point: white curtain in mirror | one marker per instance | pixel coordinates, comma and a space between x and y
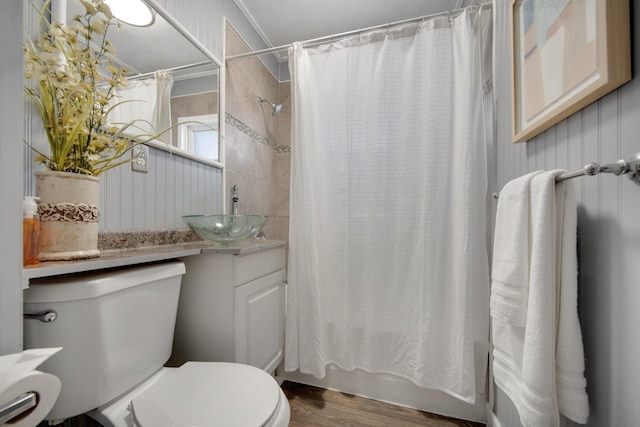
388, 224
147, 103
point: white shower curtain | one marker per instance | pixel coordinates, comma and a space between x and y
148, 103
387, 221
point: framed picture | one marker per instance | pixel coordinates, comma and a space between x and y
566, 55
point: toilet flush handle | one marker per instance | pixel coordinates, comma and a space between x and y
45, 316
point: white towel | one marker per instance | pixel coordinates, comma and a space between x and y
510, 274
539, 364
570, 381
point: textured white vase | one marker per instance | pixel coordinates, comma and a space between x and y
69, 213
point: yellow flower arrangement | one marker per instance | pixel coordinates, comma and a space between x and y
75, 80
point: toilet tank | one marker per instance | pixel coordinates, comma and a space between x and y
115, 328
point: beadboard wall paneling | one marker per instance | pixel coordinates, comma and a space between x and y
608, 230
174, 186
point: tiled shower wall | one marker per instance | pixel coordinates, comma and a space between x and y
257, 143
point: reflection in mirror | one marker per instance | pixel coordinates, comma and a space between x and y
172, 85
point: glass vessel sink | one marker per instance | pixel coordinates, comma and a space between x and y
225, 228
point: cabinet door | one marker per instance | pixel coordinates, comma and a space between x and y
259, 321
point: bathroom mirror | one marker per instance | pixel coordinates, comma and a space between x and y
165, 59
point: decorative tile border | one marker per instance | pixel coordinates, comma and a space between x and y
255, 135
283, 149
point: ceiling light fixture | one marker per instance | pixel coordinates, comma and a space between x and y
132, 12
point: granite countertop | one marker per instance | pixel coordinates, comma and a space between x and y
111, 257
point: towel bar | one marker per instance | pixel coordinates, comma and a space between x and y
621, 167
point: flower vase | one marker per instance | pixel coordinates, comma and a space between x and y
69, 215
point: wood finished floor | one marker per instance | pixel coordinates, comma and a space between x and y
317, 407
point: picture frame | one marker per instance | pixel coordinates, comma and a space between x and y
566, 54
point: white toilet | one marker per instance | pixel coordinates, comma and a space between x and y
116, 329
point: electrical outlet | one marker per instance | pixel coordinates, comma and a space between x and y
141, 155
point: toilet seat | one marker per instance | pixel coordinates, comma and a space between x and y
203, 394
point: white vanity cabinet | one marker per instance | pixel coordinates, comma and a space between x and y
232, 308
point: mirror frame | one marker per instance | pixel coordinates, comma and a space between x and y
205, 51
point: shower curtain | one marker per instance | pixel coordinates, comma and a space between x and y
148, 103
388, 189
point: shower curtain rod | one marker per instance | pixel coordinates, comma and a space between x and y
320, 40
621, 167
178, 68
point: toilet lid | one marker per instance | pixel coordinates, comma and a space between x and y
208, 394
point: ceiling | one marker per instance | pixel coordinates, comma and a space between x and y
280, 22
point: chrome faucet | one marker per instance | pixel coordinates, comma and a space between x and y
234, 200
